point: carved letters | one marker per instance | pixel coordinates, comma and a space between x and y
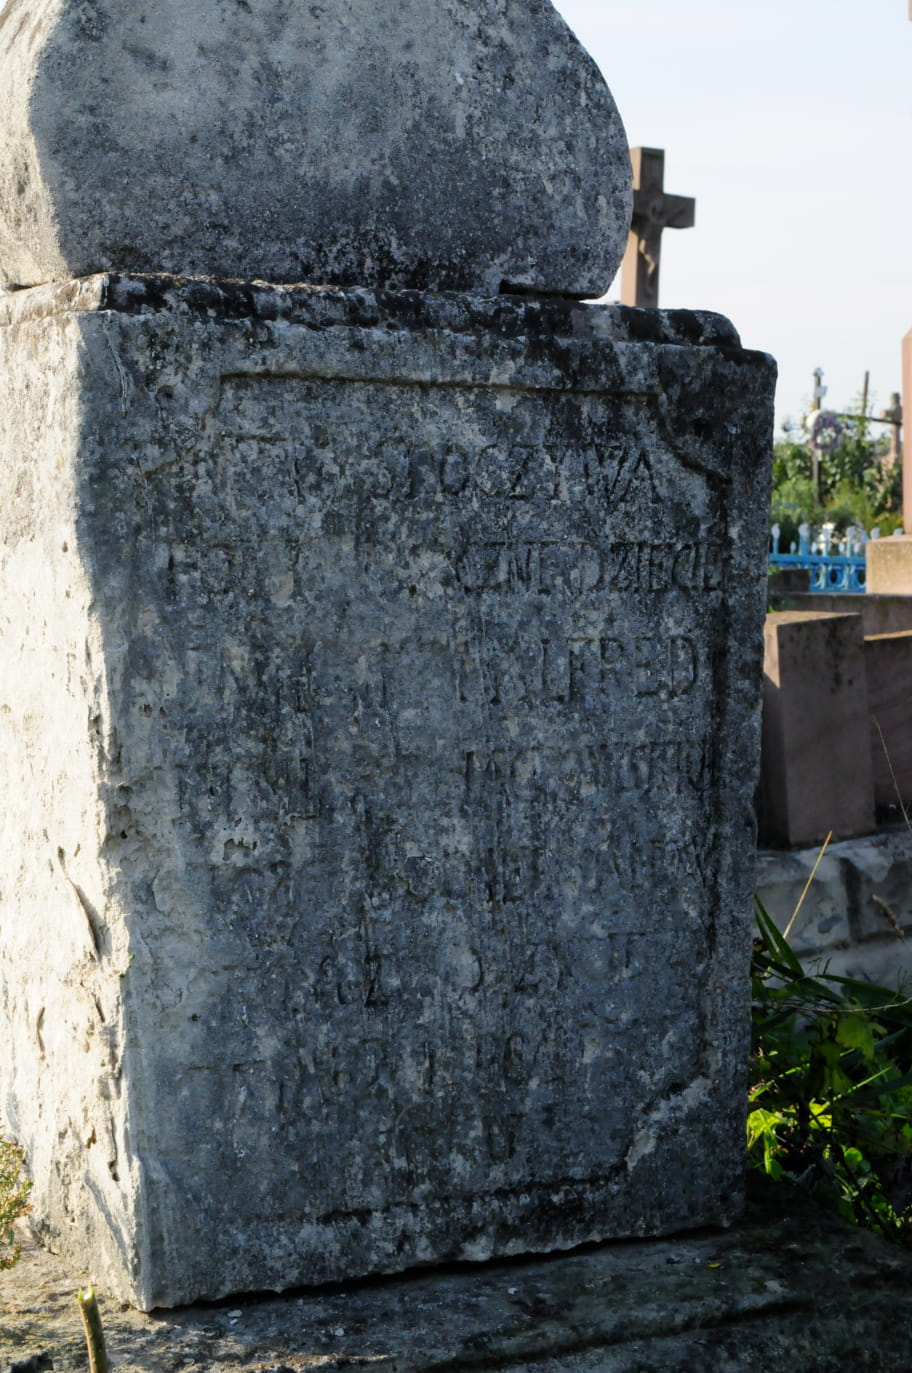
531, 586
572, 568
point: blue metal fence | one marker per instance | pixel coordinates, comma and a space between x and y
833, 567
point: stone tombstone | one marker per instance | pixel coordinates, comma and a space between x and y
379, 688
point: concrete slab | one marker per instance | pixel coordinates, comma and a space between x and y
880, 614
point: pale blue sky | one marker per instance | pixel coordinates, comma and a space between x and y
791, 123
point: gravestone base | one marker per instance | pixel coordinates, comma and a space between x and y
789, 1288
379, 687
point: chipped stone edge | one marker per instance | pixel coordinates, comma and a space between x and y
325, 306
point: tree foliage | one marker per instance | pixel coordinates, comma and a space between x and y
854, 484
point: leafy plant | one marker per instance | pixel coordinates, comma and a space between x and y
791, 463
830, 1106
14, 1194
855, 486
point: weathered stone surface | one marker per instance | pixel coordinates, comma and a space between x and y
439, 144
823, 921
378, 720
816, 773
788, 1289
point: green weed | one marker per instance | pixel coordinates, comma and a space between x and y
830, 1105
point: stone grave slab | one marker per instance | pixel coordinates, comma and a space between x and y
823, 920
379, 686
816, 769
439, 144
789, 582
856, 916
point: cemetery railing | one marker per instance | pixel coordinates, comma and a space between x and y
832, 568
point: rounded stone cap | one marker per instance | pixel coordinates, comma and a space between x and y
439, 144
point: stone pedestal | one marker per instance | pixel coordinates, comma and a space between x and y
816, 733
379, 685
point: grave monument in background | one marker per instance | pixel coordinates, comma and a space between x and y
379, 668
654, 211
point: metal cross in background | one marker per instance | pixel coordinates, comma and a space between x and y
653, 211
819, 389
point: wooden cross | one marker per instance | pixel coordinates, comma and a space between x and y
653, 211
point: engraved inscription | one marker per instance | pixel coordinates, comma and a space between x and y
599, 464
573, 568
470, 643
583, 669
